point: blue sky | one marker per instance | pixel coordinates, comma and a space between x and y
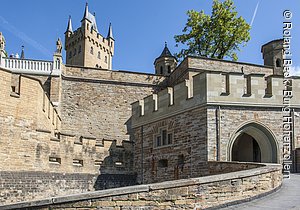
140, 27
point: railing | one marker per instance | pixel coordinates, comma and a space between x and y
26, 66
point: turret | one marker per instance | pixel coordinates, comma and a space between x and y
69, 30
273, 55
2, 46
86, 46
165, 63
111, 44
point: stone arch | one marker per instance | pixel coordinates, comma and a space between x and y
260, 135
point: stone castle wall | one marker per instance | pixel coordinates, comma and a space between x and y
187, 149
193, 65
189, 112
34, 148
97, 103
203, 192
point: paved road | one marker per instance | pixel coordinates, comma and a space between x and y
288, 197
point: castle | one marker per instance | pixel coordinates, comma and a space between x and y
81, 126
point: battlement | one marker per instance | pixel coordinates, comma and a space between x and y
28, 66
215, 88
192, 65
86, 46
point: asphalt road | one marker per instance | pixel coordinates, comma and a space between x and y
286, 198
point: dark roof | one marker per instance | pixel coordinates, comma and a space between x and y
273, 41
166, 52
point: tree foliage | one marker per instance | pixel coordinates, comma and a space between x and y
217, 35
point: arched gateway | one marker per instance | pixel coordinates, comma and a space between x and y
253, 142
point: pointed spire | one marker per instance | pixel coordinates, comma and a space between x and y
69, 28
86, 12
22, 53
110, 33
166, 51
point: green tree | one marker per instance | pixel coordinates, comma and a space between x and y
217, 35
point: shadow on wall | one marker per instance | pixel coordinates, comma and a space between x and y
117, 168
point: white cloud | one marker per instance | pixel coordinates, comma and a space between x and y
295, 71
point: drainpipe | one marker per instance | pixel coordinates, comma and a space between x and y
294, 159
218, 125
142, 153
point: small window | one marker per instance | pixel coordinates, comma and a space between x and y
98, 162
161, 70
180, 160
13, 89
79, 49
55, 160
158, 141
99, 55
105, 60
74, 52
163, 163
92, 50
278, 62
118, 163
169, 69
77, 162
70, 54
170, 138
164, 137
97, 66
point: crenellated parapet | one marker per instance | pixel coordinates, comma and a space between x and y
215, 88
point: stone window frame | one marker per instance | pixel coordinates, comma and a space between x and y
159, 137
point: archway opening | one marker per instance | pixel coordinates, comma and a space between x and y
253, 142
246, 149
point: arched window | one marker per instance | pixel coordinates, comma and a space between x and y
99, 54
97, 66
57, 63
92, 51
169, 69
70, 54
161, 70
278, 62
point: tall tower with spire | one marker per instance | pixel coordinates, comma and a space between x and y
86, 46
165, 63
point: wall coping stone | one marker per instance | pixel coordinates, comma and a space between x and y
265, 168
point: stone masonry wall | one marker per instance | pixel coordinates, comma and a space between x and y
195, 193
187, 149
28, 120
233, 118
32, 185
96, 103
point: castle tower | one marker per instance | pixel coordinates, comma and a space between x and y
86, 46
165, 63
273, 55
